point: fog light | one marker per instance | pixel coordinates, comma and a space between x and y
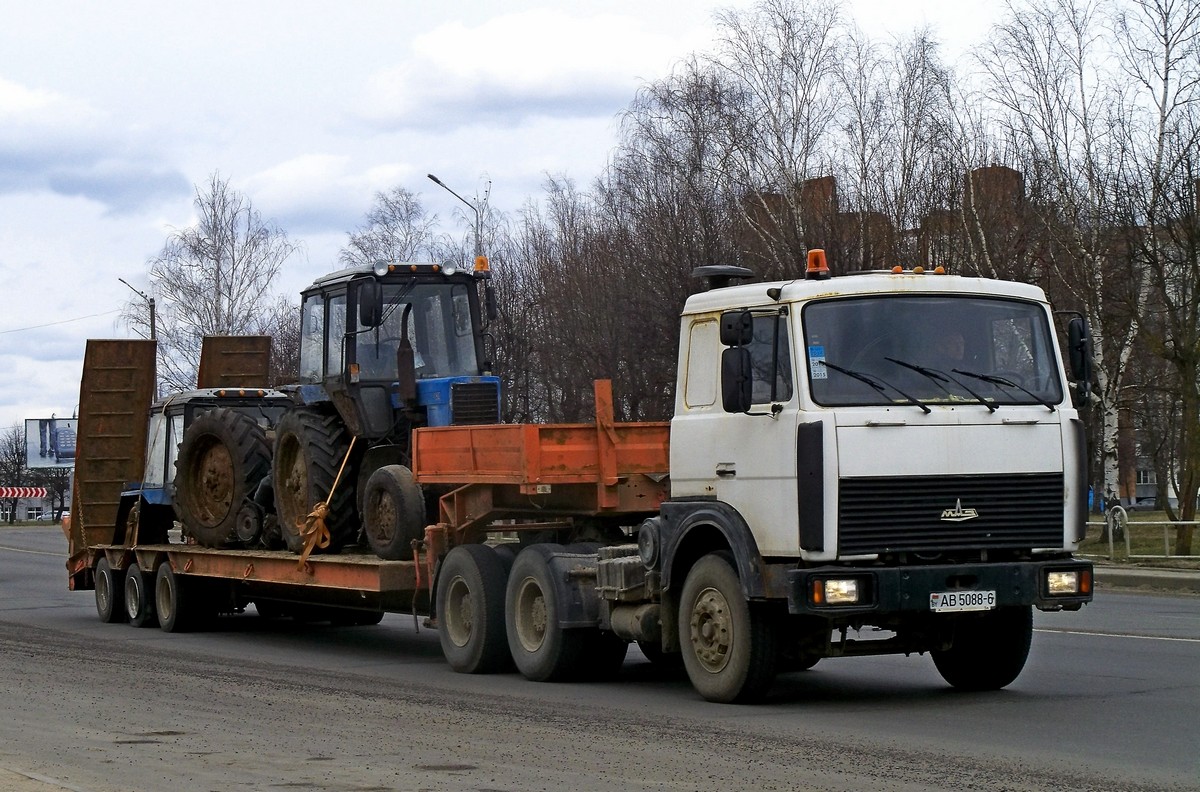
1062, 583
840, 592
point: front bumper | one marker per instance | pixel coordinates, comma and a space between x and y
886, 590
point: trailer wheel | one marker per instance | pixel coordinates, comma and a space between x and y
728, 645
309, 449
109, 593
171, 600
393, 512
223, 456
542, 650
139, 604
989, 649
470, 610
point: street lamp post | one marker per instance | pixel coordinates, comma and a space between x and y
149, 302
473, 207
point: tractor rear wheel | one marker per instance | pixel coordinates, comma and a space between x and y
223, 457
309, 449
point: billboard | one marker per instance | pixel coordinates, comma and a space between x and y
50, 442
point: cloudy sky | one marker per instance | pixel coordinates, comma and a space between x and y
111, 112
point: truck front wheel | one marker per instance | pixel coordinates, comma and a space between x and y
470, 610
988, 650
728, 645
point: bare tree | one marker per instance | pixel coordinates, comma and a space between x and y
12, 463
397, 228
1159, 41
1058, 100
281, 321
212, 278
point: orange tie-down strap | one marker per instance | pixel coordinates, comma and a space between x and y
314, 531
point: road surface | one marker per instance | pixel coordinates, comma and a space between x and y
1108, 701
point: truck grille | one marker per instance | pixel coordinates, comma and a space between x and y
474, 403
890, 515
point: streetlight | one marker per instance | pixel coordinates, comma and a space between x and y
473, 207
149, 301
481, 265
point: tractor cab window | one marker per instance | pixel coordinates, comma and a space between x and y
439, 324
312, 339
770, 360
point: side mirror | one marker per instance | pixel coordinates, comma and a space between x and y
1079, 355
489, 302
735, 378
370, 303
737, 328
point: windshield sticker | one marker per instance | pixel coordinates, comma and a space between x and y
816, 363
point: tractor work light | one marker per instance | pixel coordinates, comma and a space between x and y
1068, 582
835, 591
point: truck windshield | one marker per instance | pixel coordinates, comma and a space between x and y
934, 349
440, 329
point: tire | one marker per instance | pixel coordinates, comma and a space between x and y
393, 512
989, 649
171, 602
222, 458
542, 651
470, 610
728, 645
139, 604
110, 593
309, 449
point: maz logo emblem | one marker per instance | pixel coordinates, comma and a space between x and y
958, 513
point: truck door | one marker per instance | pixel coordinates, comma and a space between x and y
746, 459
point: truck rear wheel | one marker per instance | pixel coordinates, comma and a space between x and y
309, 449
470, 610
139, 604
728, 645
110, 592
393, 512
542, 650
989, 649
222, 458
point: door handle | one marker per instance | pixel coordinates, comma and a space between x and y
726, 469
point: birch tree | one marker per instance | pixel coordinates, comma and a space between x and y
211, 278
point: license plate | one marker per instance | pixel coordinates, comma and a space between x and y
958, 601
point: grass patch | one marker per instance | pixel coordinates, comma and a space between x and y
1146, 538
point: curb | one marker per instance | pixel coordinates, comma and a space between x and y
1180, 581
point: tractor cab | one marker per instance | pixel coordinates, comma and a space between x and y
395, 346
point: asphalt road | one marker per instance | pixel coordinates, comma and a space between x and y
1108, 701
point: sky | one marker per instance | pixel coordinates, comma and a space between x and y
111, 113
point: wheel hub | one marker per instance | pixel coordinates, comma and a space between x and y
531, 615
460, 616
711, 630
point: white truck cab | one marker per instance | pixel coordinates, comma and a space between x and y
899, 449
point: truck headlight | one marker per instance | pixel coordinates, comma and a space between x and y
835, 591
1068, 582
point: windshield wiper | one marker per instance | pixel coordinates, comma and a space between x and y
1005, 383
878, 385
938, 376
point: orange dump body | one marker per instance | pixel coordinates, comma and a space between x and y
499, 471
